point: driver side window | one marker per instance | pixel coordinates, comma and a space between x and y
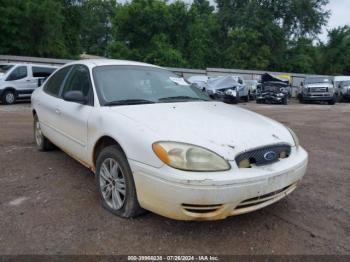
18, 73
79, 80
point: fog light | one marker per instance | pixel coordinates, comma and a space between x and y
245, 163
283, 155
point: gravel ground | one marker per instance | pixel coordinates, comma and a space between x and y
49, 204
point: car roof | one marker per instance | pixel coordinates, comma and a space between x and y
102, 62
25, 64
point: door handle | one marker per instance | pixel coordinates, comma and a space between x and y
58, 111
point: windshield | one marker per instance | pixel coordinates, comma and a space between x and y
345, 83
118, 85
317, 80
5, 68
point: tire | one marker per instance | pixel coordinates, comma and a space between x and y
246, 98
333, 101
9, 97
115, 183
340, 98
236, 99
301, 100
285, 101
251, 97
41, 141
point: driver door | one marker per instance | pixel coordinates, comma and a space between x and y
74, 116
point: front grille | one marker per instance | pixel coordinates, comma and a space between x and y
318, 89
263, 155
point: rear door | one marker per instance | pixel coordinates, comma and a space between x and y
49, 110
74, 116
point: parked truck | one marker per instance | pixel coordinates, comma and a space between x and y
317, 88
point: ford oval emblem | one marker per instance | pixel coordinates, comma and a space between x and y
270, 156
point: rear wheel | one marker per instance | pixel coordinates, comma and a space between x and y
115, 183
41, 141
9, 97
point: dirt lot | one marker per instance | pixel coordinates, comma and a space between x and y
49, 205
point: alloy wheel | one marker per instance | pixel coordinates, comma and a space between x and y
112, 184
10, 98
38, 134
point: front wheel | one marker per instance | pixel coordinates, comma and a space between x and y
332, 102
246, 98
285, 101
9, 97
115, 183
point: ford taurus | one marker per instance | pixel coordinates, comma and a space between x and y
157, 143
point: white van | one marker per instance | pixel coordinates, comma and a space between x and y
20, 80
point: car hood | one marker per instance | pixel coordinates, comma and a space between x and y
220, 127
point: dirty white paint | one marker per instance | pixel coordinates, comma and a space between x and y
18, 201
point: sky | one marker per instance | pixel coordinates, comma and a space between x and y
340, 16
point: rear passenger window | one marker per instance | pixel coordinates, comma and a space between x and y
54, 84
42, 71
18, 73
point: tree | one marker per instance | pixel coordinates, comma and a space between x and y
301, 57
96, 26
32, 28
336, 52
144, 30
240, 53
276, 22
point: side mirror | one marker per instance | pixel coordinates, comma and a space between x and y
41, 81
75, 96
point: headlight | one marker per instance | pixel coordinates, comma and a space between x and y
189, 157
295, 138
231, 92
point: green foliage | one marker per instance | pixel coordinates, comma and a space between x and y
32, 28
276, 35
335, 57
241, 54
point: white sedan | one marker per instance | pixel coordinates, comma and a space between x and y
157, 143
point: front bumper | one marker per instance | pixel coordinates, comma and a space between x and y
271, 99
346, 96
216, 195
318, 97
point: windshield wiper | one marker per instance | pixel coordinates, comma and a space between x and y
180, 98
129, 102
